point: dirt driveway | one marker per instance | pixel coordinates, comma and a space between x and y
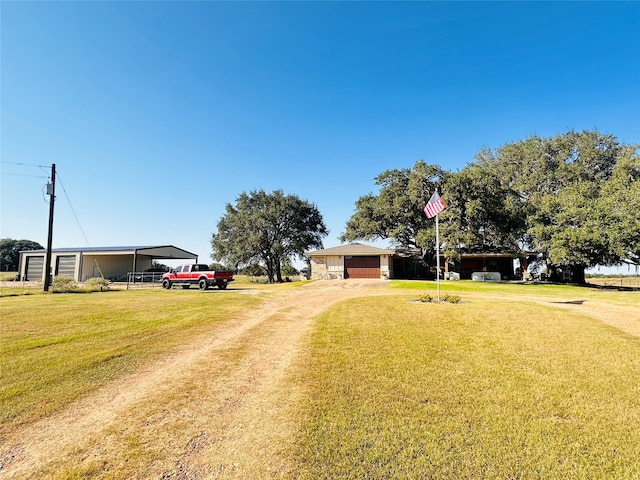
215, 409
212, 410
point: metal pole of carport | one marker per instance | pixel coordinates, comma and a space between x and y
135, 265
135, 260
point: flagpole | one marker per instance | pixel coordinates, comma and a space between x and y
438, 256
434, 206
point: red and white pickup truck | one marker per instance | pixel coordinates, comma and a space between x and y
196, 274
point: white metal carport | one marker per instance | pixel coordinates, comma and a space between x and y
84, 263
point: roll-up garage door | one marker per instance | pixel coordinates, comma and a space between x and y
66, 266
362, 267
34, 268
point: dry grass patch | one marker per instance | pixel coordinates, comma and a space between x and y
56, 348
628, 281
169, 414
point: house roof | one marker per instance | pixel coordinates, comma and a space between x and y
353, 249
159, 251
489, 255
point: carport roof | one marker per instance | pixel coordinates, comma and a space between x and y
353, 249
158, 251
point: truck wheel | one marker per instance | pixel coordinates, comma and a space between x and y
166, 284
203, 285
222, 285
186, 286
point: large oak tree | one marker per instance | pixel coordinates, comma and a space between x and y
269, 229
482, 214
579, 190
396, 211
620, 201
574, 198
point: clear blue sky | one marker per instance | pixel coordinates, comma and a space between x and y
157, 114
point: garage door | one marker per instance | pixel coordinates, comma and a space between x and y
362, 267
34, 268
66, 266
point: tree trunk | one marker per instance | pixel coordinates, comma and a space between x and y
577, 274
269, 265
552, 272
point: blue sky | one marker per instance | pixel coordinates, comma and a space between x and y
158, 114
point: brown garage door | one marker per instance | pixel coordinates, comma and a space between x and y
362, 267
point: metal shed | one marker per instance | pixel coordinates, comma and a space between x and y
82, 264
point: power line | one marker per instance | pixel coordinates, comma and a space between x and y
57, 174
72, 209
22, 164
24, 175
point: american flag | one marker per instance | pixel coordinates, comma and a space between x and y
435, 206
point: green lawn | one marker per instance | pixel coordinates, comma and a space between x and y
484, 389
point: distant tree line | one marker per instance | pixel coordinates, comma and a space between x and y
574, 198
10, 252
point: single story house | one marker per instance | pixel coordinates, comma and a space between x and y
82, 264
354, 260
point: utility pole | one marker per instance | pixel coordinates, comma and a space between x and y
51, 191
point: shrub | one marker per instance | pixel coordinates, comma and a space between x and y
98, 284
63, 284
426, 298
451, 299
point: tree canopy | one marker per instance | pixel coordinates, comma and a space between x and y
396, 212
268, 229
577, 189
10, 252
573, 197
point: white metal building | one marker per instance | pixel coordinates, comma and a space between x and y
82, 264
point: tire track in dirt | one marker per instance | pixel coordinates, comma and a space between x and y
247, 398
